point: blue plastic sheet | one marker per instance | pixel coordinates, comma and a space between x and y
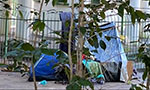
43, 67
114, 51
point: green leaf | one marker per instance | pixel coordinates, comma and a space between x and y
83, 30
133, 86
7, 6
121, 10
108, 38
103, 1
96, 19
139, 88
67, 23
48, 51
41, 26
86, 51
102, 14
84, 82
62, 56
3, 65
127, 2
100, 34
73, 86
67, 71
12, 53
20, 13
141, 49
36, 25
57, 33
47, 1
142, 85
81, 12
35, 13
133, 17
54, 2
102, 44
95, 40
75, 78
76, 5
94, 51
140, 14
65, 1
27, 47
75, 20
144, 75
55, 65
7, 13
91, 42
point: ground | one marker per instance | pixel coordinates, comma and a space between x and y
14, 81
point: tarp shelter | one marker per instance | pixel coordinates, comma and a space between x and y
114, 51
43, 68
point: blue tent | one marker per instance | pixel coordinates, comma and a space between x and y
43, 68
114, 51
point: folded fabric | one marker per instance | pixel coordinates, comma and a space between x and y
93, 67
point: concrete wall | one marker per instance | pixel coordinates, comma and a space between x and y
141, 5
36, 5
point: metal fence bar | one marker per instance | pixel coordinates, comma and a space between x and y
6, 39
52, 21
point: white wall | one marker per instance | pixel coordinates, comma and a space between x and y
135, 3
140, 5
145, 6
49, 6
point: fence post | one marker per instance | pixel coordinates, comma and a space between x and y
43, 30
6, 39
122, 19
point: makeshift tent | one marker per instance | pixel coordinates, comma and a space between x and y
113, 53
64, 17
43, 69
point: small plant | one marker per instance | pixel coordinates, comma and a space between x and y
17, 55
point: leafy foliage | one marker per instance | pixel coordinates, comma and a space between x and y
92, 17
27, 47
20, 50
135, 87
102, 44
47, 1
38, 25
7, 13
78, 83
144, 56
21, 15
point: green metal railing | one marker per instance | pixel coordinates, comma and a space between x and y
20, 30
17, 28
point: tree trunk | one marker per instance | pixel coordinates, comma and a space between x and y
80, 41
33, 71
148, 80
69, 42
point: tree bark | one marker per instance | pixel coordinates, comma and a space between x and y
148, 80
33, 71
69, 42
80, 41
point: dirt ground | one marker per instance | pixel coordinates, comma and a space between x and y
14, 81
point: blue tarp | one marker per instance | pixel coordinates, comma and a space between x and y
43, 67
114, 51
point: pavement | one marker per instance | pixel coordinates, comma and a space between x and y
14, 81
